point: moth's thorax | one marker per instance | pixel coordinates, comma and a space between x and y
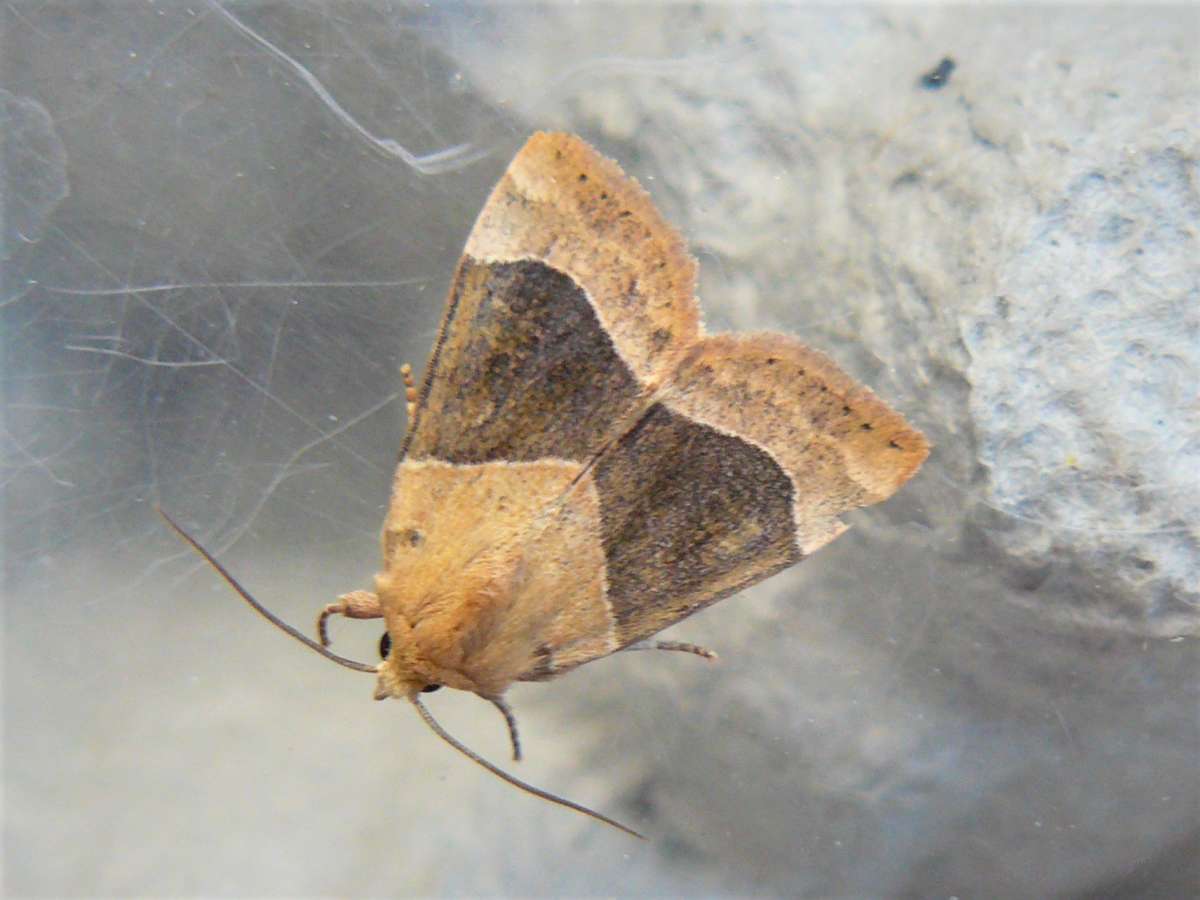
487, 567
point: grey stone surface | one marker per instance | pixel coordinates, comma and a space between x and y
226, 226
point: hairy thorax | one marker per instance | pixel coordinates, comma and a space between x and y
489, 571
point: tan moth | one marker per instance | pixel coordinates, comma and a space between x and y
584, 466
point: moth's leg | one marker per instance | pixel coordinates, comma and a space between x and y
511, 721
410, 391
682, 646
355, 605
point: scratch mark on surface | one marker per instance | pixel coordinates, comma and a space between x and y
285, 471
450, 159
42, 462
166, 363
133, 290
1062, 720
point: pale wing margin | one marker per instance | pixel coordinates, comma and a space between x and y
564, 204
840, 445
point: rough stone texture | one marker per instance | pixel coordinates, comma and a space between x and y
988, 687
1084, 390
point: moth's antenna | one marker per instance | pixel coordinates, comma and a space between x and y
258, 607
515, 782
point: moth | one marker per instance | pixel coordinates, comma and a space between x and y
584, 466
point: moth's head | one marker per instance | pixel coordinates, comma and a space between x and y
395, 682
402, 673
434, 630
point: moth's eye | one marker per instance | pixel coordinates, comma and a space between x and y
411, 538
385, 645
400, 538
430, 688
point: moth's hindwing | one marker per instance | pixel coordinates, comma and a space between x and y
689, 515
742, 469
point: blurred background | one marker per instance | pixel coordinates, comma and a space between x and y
226, 225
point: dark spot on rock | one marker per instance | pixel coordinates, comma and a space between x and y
937, 77
1116, 229
582, 177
